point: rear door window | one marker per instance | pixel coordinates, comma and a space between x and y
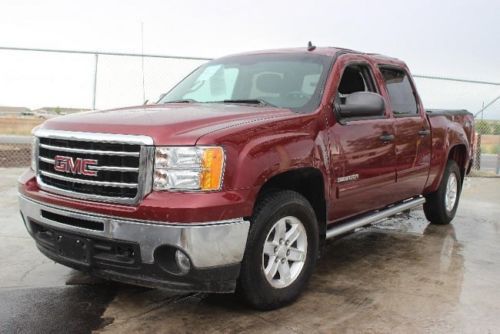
400, 91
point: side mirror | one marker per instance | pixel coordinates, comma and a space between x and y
362, 104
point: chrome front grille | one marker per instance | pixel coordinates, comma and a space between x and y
100, 167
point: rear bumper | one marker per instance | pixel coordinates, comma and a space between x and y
133, 251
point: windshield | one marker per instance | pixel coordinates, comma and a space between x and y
292, 81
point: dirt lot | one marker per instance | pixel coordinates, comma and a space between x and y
18, 125
490, 144
402, 276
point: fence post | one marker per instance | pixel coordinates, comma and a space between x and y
498, 164
478, 152
95, 81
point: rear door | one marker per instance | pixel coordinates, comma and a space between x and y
362, 150
412, 132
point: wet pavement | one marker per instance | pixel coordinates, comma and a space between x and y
401, 275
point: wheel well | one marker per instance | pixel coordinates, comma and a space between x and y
458, 154
306, 181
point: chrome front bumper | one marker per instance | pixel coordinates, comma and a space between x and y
209, 244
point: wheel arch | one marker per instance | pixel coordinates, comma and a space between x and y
458, 153
453, 146
307, 181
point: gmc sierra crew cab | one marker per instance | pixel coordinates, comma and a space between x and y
234, 179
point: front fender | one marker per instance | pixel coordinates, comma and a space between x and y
258, 151
267, 156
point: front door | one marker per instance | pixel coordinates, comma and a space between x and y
362, 151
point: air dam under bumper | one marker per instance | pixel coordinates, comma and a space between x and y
139, 252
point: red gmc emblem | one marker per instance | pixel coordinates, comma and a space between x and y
71, 165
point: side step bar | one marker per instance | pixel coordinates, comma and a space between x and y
373, 217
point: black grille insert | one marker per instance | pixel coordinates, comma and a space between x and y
88, 224
90, 189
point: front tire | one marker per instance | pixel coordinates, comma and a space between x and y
441, 206
281, 252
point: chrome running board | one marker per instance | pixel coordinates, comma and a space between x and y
371, 218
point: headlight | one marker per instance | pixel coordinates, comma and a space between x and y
188, 168
34, 153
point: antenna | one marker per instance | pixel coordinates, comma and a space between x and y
142, 62
310, 46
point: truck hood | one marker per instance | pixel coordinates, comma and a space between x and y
172, 124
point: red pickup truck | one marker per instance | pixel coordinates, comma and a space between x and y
234, 179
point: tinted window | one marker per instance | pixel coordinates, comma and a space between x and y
356, 78
400, 91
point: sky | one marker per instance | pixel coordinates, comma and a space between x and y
442, 38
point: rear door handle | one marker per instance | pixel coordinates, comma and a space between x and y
386, 137
424, 132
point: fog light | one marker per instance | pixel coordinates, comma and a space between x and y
182, 262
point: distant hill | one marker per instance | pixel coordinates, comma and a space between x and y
58, 110
9, 110
45, 111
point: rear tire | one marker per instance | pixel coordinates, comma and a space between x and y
281, 251
441, 206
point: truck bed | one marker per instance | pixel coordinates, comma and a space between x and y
449, 128
447, 112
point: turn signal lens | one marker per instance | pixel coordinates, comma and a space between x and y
212, 167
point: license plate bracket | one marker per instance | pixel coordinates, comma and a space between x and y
75, 248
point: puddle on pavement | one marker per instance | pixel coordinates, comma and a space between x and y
75, 309
80, 278
410, 222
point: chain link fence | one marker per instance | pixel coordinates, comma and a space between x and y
15, 151
487, 153
83, 80
479, 97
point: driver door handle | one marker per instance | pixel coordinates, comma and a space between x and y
424, 132
386, 137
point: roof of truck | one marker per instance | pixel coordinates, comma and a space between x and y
326, 51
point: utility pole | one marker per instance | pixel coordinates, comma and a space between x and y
142, 63
95, 81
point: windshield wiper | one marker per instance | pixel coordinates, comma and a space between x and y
181, 101
248, 101
243, 101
